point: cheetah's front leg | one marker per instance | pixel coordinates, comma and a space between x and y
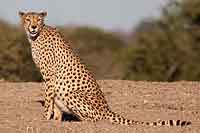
49, 101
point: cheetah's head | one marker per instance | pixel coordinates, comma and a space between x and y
33, 22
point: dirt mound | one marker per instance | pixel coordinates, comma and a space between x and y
146, 101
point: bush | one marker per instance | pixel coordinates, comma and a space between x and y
15, 56
95, 46
165, 49
98, 49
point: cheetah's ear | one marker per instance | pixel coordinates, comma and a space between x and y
43, 14
21, 14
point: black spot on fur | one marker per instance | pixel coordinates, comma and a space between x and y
178, 122
183, 123
188, 123
171, 122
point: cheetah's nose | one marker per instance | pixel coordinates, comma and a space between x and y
33, 27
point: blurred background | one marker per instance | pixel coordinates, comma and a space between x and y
154, 40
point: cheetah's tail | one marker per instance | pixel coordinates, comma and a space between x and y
117, 119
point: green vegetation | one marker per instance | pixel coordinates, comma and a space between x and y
166, 49
95, 47
163, 49
15, 55
98, 49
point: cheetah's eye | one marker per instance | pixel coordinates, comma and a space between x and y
39, 19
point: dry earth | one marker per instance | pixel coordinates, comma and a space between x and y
146, 101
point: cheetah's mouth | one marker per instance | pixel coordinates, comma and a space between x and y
33, 33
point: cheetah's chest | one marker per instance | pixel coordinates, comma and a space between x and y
43, 57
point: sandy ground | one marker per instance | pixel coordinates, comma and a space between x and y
146, 101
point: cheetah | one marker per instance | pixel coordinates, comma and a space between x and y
69, 86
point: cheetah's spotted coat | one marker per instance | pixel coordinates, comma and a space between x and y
70, 87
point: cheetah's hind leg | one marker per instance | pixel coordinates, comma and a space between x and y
48, 109
63, 112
